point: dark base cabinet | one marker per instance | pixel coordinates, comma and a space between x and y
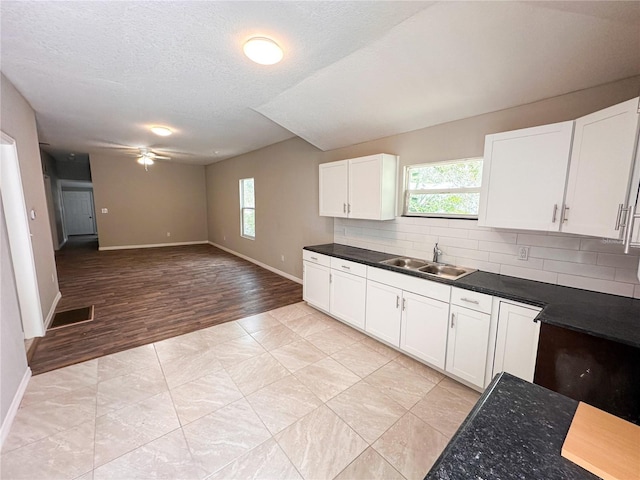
599, 372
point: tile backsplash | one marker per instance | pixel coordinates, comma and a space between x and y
575, 261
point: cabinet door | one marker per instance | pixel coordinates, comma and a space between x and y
517, 341
315, 285
467, 344
365, 176
424, 329
348, 297
334, 185
524, 176
600, 170
383, 312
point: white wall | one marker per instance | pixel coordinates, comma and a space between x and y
13, 359
562, 259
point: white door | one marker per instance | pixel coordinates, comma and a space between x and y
600, 170
315, 285
517, 341
524, 176
78, 212
467, 344
424, 329
348, 297
383, 313
365, 177
334, 185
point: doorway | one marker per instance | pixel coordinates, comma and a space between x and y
78, 208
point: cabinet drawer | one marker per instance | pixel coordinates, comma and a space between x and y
349, 267
419, 286
318, 258
472, 300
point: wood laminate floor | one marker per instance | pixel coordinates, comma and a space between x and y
145, 295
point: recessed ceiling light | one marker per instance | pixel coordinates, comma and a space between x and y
263, 50
162, 131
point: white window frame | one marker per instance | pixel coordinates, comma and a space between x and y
243, 208
408, 193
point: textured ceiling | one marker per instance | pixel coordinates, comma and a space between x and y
100, 73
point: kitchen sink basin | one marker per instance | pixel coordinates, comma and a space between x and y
409, 263
443, 270
447, 271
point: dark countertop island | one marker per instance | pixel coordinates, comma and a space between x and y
515, 431
606, 316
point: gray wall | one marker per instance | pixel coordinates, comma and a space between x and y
286, 191
145, 205
287, 173
13, 360
19, 122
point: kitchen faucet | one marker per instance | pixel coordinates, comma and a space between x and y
436, 253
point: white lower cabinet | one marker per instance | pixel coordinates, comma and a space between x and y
348, 297
315, 285
336, 286
383, 313
424, 328
467, 345
517, 341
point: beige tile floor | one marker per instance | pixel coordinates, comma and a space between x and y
287, 394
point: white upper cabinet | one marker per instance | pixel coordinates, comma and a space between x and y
526, 183
362, 187
523, 177
601, 166
334, 189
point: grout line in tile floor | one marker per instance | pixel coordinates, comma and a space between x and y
296, 452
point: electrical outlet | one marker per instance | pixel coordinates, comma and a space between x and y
282, 258
523, 253
105, 210
168, 234
224, 237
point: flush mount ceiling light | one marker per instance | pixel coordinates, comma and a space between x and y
162, 131
263, 50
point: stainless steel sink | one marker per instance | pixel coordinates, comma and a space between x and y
442, 270
448, 271
409, 263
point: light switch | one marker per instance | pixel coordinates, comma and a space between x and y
32, 214
105, 210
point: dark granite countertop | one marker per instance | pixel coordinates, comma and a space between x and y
607, 316
516, 430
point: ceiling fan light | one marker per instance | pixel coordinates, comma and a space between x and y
263, 50
145, 160
161, 131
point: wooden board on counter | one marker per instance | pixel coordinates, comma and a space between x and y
603, 444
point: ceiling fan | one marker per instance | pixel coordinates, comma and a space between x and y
147, 157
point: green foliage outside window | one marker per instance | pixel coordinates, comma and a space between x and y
444, 189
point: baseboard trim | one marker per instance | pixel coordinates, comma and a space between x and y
15, 404
52, 311
153, 245
260, 264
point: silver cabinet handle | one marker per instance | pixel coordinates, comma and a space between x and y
314, 258
345, 267
344, 208
330, 278
397, 301
348, 208
621, 210
464, 299
404, 304
565, 216
555, 213
453, 320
